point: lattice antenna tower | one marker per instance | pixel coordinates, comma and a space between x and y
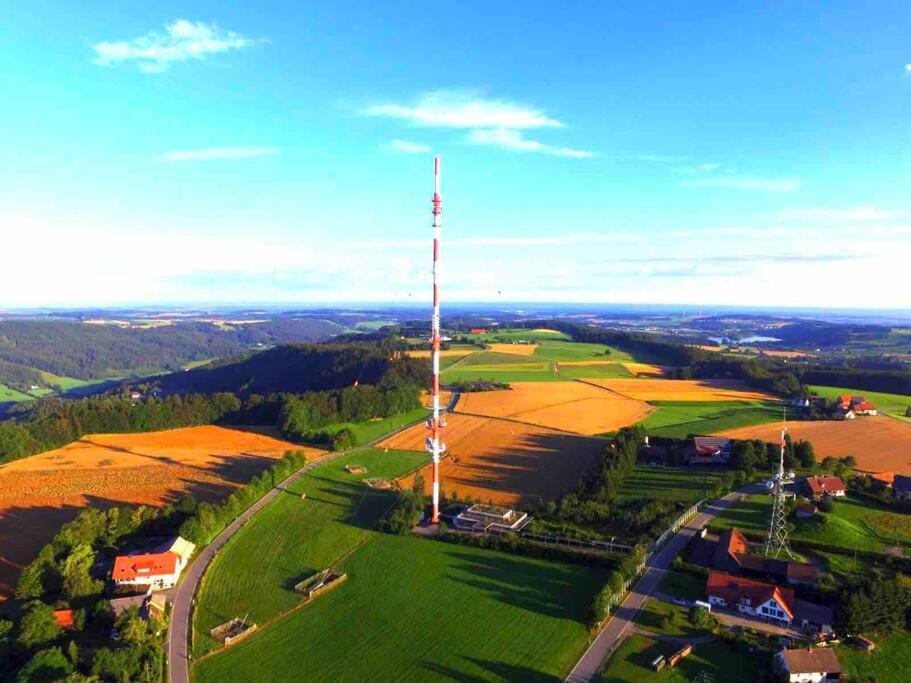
777, 540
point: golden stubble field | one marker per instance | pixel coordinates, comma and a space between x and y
505, 462
880, 444
41, 492
571, 406
682, 390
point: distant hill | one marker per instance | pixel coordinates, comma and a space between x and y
293, 368
85, 351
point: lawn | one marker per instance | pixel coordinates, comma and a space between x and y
292, 538
501, 367
10, 395
666, 619
855, 523
632, 662
420, 610
892, 404
603, 371
578, 351
687, 484
680, 419
366, 432
680, 585
887, 664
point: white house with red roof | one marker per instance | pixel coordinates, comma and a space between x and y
820, 487
751, 597
157, 570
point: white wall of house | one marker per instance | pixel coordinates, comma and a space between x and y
156, 581
768, 610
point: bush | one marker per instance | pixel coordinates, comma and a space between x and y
702, 619
826, 504
343, 439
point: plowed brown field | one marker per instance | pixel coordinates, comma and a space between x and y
570, 406
880, 444
505, 462
682, 390
39, 493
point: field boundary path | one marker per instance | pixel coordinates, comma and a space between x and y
181, 626
586, 669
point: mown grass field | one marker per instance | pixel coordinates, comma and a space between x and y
687, 484
680, 585
501, 367
578, 351
666, 619
368, 431
292, 538
508, 334
679, 419
632, 662
895, 405
887, 664
10, 395
420, 610
854, 523
606, 370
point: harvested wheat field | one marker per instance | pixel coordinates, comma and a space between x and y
41, 492
683, 389
445, 397
517, 349
444, 353
880, 444
505, 462
570, 406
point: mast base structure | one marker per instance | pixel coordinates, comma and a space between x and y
435, 445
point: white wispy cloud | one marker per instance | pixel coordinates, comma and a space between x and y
858, 213
747, 183
409, 147
217, 153
181, 40
463, 109
514, 140
908, 68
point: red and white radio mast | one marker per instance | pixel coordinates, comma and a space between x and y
435, 444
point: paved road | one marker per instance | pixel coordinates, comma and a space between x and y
586, 668
181, 612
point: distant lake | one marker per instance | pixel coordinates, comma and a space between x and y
754, 339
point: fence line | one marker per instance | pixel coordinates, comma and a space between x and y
675, 527
601, 546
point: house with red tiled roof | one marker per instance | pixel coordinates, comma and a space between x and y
820, 487
753, 598
847, 407
157, 570
64, 619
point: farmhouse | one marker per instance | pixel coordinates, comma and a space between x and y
730, 553
156, 570
820, 487
817, 620
478, 330
809, 665
847, 407
754, 598
710, 450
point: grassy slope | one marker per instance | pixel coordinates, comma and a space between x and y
578, 351
679, 419
891, 404
846, 527
500, 367
887, 664
10, 395
676, 483
632, 662
518, 334
419, 610
368, 431
613, 370
293, 538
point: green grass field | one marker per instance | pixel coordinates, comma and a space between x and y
632, 662
892, 404
887, 664
680, 585
578, 351
292, 538
679, 419
500, 367
508, 334
368, 431
612, 370
855, 523
666, 619
687, 484
10, 395
420, 610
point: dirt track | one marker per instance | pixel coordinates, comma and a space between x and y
682, 390
39, 493
570, 406
506, 462
880, 444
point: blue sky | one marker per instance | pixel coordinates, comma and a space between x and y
714, 153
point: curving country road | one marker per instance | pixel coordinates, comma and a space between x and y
586, 669
180, 630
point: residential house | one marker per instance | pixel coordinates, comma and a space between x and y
753, 598
730, 553
820, 487
710, 450
847, 407
810, 665
156, 570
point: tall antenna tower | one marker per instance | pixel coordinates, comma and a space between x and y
435, 444
777, 541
